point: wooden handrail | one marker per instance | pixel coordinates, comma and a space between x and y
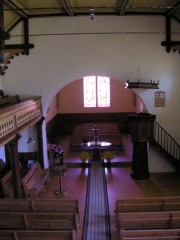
168, 144
17, 117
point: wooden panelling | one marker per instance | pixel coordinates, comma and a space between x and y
64, 123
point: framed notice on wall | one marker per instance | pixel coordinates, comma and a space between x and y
159, 99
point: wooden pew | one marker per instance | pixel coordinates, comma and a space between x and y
154, 234
34, 181
40, 205
57, 206
148, 220
147, 204
15, 205
39, 221
7, 186
38, 235
7, 182
106, 132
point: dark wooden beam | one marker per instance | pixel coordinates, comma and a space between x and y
174, 9
172, 43
123, 7
168, 34
1, 26
40, 142
13, 7
66, 5
18, 46
168, 43
15, 166
26, 36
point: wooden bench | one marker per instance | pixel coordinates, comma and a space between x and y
38, 235
155, 234
40, 205
106, 132
7, 182
34, 181
39, 221
57, 206
147, 204
7, 185
148, 220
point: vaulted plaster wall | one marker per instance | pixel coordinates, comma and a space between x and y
70, 99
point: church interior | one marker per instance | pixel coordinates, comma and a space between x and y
89, 120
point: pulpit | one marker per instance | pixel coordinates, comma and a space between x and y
141, 132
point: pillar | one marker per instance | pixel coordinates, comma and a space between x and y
40, 143
16, 177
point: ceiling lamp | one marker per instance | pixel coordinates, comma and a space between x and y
149, 85
92, 14
140, 84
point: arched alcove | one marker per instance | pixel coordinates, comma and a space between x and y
70, 100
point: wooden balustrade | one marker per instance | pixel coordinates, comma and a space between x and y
17, 117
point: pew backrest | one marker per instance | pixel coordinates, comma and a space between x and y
39, 221
7, 185
148, 220
34, 180
38, 235
147, 204
40, 205
154, 234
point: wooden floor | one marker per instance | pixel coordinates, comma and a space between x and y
119, 182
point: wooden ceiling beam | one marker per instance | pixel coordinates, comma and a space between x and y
173, 10
19, 12
122, 6
169, 43
17, 46
1, 25
66, 5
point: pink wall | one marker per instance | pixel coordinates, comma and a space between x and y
71, 99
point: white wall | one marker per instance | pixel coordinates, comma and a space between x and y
114, 46
52, 110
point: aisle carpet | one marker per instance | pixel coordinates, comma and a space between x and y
96, 224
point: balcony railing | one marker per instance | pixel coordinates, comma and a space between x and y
167, 143
17, 117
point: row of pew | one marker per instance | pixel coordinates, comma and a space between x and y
108, 132
148, 218
39, 219
33, 181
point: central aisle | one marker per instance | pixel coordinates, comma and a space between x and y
96, 224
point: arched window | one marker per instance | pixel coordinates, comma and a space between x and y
96, 91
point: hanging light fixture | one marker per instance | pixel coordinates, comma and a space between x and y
30, 140
92, 14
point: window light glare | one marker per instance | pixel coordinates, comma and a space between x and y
96, 88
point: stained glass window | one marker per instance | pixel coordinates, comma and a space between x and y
103, 91
96, 91
89, 91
